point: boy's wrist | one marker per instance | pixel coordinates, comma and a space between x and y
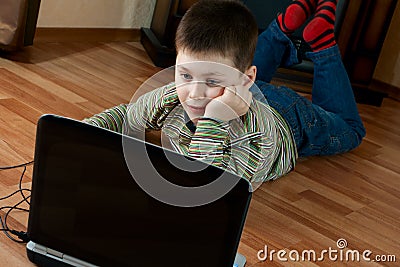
214, 128
221, 115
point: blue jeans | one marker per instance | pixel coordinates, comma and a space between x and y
330, 124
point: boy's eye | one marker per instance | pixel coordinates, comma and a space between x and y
213, 83
186, 76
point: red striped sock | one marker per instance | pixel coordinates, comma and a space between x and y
295, 15
319, 33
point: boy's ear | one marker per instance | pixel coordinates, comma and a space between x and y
251, 74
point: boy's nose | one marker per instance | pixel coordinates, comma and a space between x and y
197, 90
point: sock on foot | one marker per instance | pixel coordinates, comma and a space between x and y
319, 33
295, 15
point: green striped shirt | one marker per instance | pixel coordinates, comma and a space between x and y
259, 146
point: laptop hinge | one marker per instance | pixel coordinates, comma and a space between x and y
55, 253
39, 248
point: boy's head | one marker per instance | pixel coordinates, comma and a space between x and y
224, 28
215, 43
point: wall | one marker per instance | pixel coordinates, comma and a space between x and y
388, 66
96, 13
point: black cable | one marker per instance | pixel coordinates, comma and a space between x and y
16, 166
22, 236
19, 234
14, 208
20, 180
20, 186
16, 192
7, 231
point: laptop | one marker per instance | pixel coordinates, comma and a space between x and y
88, 210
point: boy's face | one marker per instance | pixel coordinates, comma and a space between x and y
202, 78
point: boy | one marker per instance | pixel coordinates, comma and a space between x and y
198, 112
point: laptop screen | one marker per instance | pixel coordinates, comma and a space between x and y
86, 204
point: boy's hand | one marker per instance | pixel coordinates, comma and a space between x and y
233, 103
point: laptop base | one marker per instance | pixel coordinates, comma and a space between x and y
45, 257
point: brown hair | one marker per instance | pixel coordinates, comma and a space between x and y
224, 27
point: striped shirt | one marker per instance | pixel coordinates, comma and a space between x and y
258, 146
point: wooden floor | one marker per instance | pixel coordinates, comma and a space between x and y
355, 196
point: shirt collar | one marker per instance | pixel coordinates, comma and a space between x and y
189, 124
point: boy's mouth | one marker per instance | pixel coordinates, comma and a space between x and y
196, 109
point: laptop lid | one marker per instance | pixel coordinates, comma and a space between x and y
86, 205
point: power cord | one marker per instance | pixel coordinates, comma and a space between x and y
21, 236
16, 166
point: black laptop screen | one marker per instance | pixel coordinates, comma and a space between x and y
86, 204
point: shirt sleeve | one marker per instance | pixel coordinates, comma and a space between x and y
111, 119
257, 153
151, 109
148, 112
249, 156
210, 142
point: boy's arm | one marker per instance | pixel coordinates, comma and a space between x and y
148, 112
111, 119
151, 109
210, 142
257, 155
251, 156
